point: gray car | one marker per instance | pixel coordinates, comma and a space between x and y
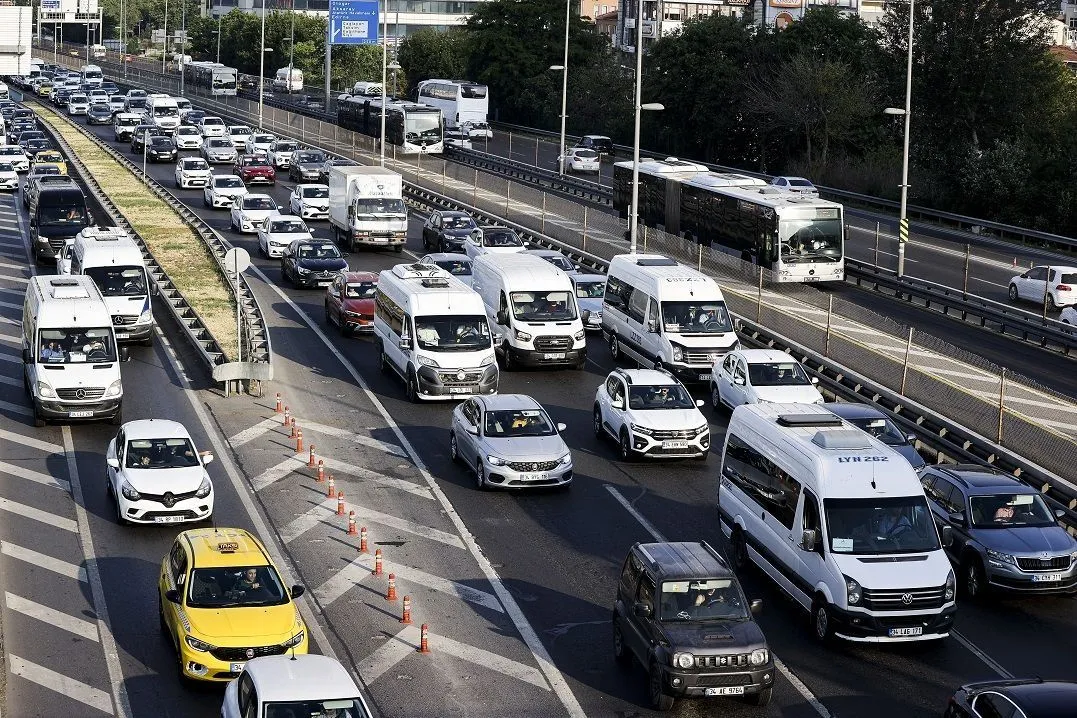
590, 289
509, 441
458, 265
556, 259
306, 165
881, 426
1005, 537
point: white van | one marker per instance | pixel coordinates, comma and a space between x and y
71, 364
838, 520
110, 257
666, 315
163, 112
91, 74
432, 330
288, 80
532, 306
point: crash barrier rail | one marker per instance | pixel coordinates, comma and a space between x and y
992, 402
254, 337
548, 179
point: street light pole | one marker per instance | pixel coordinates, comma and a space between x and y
291, 56
903, 219
220, 19
384, 66
164, 43
262, 66
633, 210
183, 49
564, 90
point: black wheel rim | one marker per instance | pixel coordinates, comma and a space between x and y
624, 447
452, 448
598, 423
618, 641
821, 622
972, 581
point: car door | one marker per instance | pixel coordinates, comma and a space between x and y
813, 568
945, 498
430, 228
725, 375
288, 260
642, 636
334, 296
174, 575
237, 210
115, 451
472, 418
1030, 284
739, 383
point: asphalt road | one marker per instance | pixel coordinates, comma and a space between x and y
558, 554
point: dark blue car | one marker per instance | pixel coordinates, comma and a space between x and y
311, 263
881, 426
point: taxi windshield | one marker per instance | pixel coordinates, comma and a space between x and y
512, 423
710, 600
160, 454
233, 586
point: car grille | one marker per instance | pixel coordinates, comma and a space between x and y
734, 661
151, 515
95, 392
668, 434
533, 465
120, 320
57, 243
160, 498
718, 679
902, 599
1044, 564
704, 356
240, 654
549, 343
453, 378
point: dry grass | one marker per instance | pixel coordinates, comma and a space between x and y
180, 252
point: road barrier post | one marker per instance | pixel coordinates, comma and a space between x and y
287, 417
377, 562
542, 229
280, 406
965, 284
699, 261
905, 369
351, 524
759, 299
584, 223
1046, 293
829, 314
331, 490
390, 594
878, 229
510, 144
424, 639
321, 472
405, 614
1001, 401
536, 151
340, 503
363, 540
475, 190
508, 191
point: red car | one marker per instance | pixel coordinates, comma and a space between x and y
349, 301
253, 169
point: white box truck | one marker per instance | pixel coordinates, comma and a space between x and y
366, 207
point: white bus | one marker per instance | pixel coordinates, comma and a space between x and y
463, 103
211, 77
411, 127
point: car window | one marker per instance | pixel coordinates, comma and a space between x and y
248, 696
1008, 510
659, 396
777, 374
701, 600
260, 203
995, 705
508, 423
645, 592
229, 586
177, 563
160, 454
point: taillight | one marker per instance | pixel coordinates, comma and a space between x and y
1063, 288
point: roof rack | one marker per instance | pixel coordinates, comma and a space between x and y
656, 262
801, 420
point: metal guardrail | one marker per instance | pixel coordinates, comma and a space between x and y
570, 186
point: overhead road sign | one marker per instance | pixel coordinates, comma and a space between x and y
353, 22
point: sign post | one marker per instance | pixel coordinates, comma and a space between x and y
237, 260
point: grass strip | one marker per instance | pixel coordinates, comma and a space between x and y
179, 251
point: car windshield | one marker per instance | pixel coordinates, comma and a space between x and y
315, 192
262, 139
347, 708
193, 164
227, 182
220, 142
58, 215
560, 262
590, 290
379, 205
777, 374
100, 108
286, 147
553, 306
455, 267
235, 586
453, 333
136, 102
256, 162
160, 142
361, 290
128, 122
119, 281
459, 221
798, 182
310, 157
7, 167
287, 226
901, 524
77, 346
258, 203
701, 600
659, 396
186, 131
501, 238
217, 121
45, 170
318, 251
1001, 511
695, 318
513, 423
239, 130
881, 428
175, 453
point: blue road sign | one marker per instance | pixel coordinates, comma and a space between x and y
353, 22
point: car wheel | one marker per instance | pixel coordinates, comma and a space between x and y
454, 450
1013, 293
412, 389
974, 580
821, 624
660, 700
383, 359
1051, 302
762, 698
615, 348
627, 453
264, 251
740, 551
621, 653
328, 316
480, 476
598, 423
507, 362
716, 397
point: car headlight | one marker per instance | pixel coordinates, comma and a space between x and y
951, 586
578, 336
641, 429
495, 460
45, 391
852, 591
129, 492
294, 640
487, 361
565, 460
114, 389
683, 660
302, 270
427, 361
759, 656
678, 354
198, 645
702, 430
1003, 557
204, 488
523, 336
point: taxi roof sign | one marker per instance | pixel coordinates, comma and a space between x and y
227, 546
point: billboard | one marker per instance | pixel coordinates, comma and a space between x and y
353, 22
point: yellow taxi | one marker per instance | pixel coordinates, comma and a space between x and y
222, 603
52, 157
44, 89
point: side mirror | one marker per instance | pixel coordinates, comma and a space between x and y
738, 380
643, 610
405, 343
125, 353
113, 462
756, 606
815, 380
473, 430
561, 427
808, 539
1059, 513
947, 535
699, 402
173, 596
911, 438
957, 517
342, 254
207, 458
27, 356
618, 404
296, 591
502, 317
652, 326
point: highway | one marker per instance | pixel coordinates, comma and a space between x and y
554, 556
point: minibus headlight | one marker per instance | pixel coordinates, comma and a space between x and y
427, 361
145, 316
523, 336
951, 586
487, 361
45, 391
114, 388
678, 355
684, 660
578, 336
852, 591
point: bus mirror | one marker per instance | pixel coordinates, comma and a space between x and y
808, 539
503, 318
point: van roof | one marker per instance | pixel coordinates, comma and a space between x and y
66, 301
671, 278
428, 290
536, 272
98, 246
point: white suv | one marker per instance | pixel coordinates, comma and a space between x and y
651, 415
754, 376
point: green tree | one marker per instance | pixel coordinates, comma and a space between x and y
432, 53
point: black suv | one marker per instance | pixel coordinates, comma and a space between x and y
680, 611
141, 133
599, 143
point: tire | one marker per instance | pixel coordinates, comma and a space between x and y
615, 348
973, 579
328, 320
412, 389
716, 397
659, 699
621, 655
507, 362
597, 423
205, 202
740, 558
1051, 306
120, 520
762, 698
625, 444
822, 625
1014, 297
399, 249
426, 242
454, 449
263, 251
383, 360
701, 457
480, 477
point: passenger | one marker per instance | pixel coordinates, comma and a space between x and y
51, 352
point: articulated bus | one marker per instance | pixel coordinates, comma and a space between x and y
462, 103
411, 127
212, 77
798, 238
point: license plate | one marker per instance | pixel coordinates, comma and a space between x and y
236, 667
726, 691
460, 390
79, 414
534, 477
560, 355
167, 519
674, 444
811, 278
1046, 577
122, 335
704, 377
911, 631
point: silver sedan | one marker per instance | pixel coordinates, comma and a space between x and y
509, 441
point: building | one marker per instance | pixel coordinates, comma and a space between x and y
663, 17
606, 24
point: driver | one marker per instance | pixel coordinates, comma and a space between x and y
894, 522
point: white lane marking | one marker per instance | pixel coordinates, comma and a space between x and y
357, 438
274, 474
976, 651
255, 431
55, 565
11, 265
93, 576
362, 567
16, 408
9, 381
798, 684
51, 616
31, 441
988, 281
328, 510
48, 678
527, 632
11, 358
45, 517
18, 280
388, 655
10, 305
12, 339
35, 476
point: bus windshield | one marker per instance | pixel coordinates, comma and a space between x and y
451, 333
810, 240
224, 82
896, 524
422, 125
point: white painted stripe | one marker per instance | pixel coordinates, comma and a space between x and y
10, 358
308, 520
341, 467
11, 339
9, 381
31, 441
486, 659
362, 567
352, 436
328, 508
976, 651
19, 280
255, 431
60, 683
8, 320
278, 472
11, 265
39, 559
38, 515
51, 616
16, 408
647, 525
11, 305
35, 476
388, 655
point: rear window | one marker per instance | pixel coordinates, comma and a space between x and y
1070, 278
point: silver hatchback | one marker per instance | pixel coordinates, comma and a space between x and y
509, 441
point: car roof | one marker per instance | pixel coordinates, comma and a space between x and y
257, 195
544, 252
596, 137
497, 402
760, 356
1058, 267
154, 429
646, 376
454, 213
576, 278
683, 560
983, 480
240, 547
447, 257
310, 677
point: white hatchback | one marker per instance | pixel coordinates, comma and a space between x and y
250, 210
278, 231
310, 201
187, 138
1056, 285
754, 376
222, 190
580, 159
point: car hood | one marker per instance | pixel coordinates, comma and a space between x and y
158, 481
800, 394
270, 624
322, 265
590, 304
257, 170
230, 191
256, 214
530, 447
310, 167
321, 202
668, 418
457, 233
714, 637
289, 237
1024, 540
920, 570
359, 306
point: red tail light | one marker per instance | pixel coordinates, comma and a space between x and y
1063, 288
